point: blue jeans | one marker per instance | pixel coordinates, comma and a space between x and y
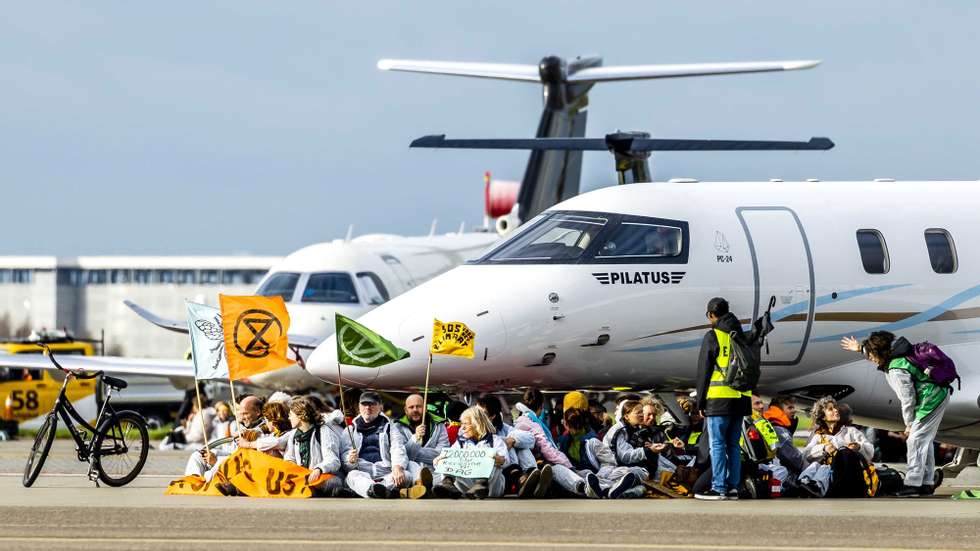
724, 433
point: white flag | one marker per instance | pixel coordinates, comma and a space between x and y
207, 341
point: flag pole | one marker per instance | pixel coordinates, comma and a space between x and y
200, 413
343, 408
234, 405
425, 393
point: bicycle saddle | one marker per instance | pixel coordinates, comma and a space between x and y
115, 383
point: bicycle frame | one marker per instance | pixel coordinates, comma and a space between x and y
66, 410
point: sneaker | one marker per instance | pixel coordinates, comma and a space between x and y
447, 490
625, 483
415, 491
732, 494
927, 490
592, 488
379, 491
479, 490
544, 482
909, 491
710, 495
529, 482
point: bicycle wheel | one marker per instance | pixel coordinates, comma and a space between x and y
40, 449
120, 448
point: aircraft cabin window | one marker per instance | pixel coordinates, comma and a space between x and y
942, 252
331, 287
282, 284
377, 294
636, 240
560, 237
874, 252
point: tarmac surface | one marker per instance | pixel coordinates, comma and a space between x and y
65, 511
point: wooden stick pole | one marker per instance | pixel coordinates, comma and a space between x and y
425, 392
200, 414
234, 406
343, 407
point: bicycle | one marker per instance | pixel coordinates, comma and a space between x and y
120, 442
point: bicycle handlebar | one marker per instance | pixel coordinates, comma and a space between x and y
77, 373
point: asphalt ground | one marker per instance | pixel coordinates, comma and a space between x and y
65, 511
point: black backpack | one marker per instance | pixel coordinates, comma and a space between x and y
744, 368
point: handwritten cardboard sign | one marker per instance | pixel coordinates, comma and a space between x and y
466, 463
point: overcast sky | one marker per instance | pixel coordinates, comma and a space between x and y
230, 127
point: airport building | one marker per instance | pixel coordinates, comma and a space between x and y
85, 295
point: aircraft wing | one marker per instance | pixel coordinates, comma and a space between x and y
180, 369
299, 341
636, 72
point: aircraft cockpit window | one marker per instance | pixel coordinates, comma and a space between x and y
560, 237
874, 252
282, 284
942, 252
636, 240
375, 289
331, 287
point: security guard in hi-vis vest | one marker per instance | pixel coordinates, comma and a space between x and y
723, 406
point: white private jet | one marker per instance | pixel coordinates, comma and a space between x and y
608, 289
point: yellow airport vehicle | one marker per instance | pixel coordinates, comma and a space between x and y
26, 394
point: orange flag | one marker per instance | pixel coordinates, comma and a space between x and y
255, 334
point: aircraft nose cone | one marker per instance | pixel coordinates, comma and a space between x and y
460, 295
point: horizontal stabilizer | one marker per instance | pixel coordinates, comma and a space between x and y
632, 144
505, 71
636, 72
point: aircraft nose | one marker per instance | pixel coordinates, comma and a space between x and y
407, 320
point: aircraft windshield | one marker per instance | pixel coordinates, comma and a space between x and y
559, 237
639, 240
594, 238
282, 284
333, 287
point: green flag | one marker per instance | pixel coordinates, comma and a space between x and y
358, 345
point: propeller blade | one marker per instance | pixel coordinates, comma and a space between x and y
631, 144
553, 144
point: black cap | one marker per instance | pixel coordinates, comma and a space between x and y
369, 397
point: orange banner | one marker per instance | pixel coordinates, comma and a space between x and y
253, 474
255, 331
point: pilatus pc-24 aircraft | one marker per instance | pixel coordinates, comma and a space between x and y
353, 276
608, 289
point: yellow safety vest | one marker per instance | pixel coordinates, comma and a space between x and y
717, 387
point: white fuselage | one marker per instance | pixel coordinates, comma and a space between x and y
353, 277
743, 241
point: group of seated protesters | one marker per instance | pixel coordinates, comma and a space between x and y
585, 454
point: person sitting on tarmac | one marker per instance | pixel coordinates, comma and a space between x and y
520, 459
531, 408
476, 431
599, 419
835, 442
274, 437
205, 462
312, 444
635, 445
782, 415
222, 424
423, 442
595, 473
377, 465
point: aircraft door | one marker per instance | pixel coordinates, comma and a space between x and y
782, 266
